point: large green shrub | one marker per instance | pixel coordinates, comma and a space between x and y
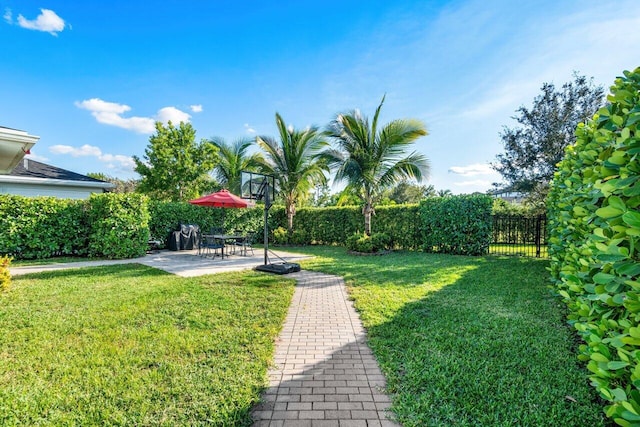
594, 241
42, 227
119, 225
333, 225
167, 216
458, 225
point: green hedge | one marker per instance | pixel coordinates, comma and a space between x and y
594, 241
167, 216
119, 225
458, 225
333, 225
42, 227
107, 225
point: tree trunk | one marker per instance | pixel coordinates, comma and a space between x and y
367, 218
291, 211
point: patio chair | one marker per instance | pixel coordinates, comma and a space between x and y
246, 244
210, 246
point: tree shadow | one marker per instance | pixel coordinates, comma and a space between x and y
490, 347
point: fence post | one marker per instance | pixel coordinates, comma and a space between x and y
538, 235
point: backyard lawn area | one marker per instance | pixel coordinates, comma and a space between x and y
463, 341
131, 345
467, 341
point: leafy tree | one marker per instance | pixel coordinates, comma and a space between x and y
408, 192
296, 162
175, 167
443, 193
233, 160
121, 185
536, 145
372, 160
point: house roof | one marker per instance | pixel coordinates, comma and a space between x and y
31, 171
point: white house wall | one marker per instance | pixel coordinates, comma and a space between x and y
34, 190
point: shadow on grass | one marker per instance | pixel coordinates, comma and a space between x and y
468, 341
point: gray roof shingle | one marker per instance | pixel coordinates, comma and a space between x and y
36, 169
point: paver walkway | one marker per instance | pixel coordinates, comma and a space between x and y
325, 374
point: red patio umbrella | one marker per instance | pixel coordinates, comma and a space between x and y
221, 199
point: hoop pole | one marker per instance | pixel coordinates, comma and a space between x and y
267, 205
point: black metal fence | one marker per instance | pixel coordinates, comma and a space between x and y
517, 235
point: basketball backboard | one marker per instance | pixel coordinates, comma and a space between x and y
253, 186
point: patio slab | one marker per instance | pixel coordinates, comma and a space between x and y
180, 263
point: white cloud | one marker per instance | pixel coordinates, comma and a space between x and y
474, 169
8, 16
48, 21
113, 161
110, 113
118, 161
85, 150
196, 108
248, 128
173, 115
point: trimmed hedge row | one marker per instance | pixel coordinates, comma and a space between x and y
105, 225
43, 227
594, 242
167, 216
456, 225
459, 225
333, 225
119, 225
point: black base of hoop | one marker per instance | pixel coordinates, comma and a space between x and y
279, 268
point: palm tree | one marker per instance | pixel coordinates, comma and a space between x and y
296, 163
372, 160
234, 159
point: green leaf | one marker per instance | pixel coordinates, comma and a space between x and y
609, 212
617, 365
619, 298
599, 357
610, 257
632, 218
603, 278
629, 268
618, 395
617, 203
630, 416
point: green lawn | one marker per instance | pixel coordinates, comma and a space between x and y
131, 345
467, 341
463, 341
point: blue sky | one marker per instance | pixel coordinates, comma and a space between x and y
90, 78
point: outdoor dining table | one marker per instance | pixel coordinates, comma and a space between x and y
224, 238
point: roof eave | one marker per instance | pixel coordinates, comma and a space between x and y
14, 144
49, 181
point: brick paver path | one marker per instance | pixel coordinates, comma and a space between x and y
325, 374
